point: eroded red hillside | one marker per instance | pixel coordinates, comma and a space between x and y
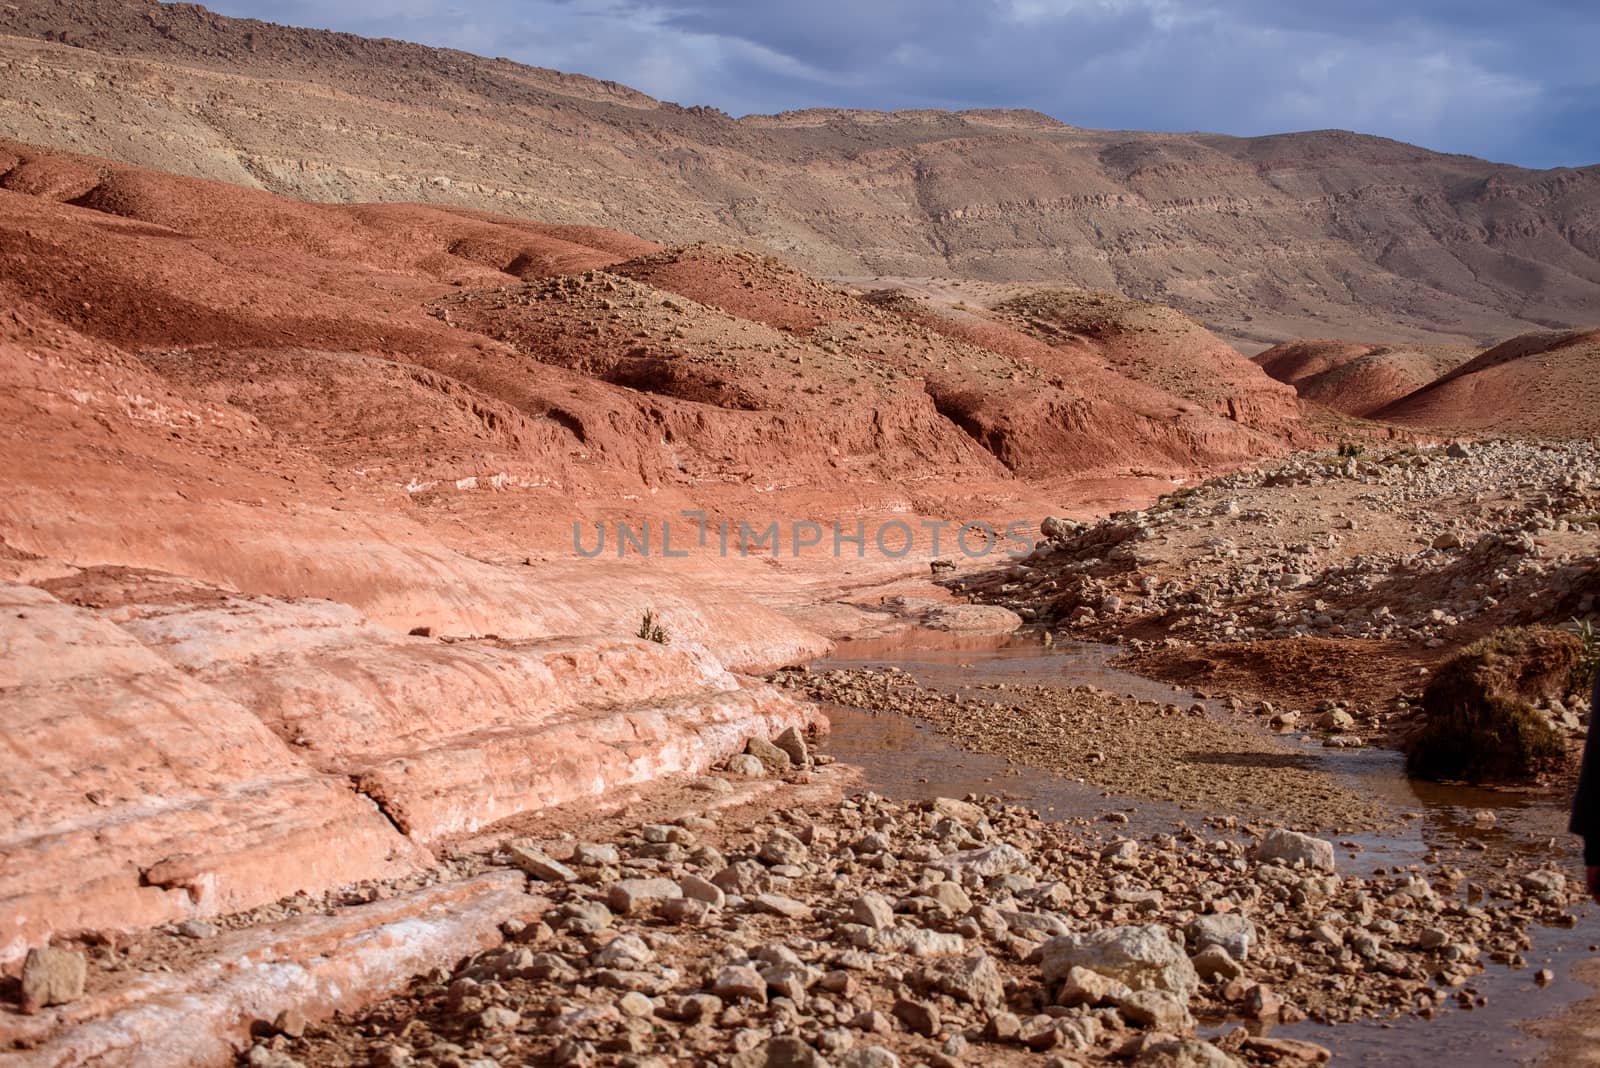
1356, 378
1540, 384
254, 444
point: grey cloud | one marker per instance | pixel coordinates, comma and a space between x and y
1507, 82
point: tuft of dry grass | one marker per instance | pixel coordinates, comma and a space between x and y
1479, 723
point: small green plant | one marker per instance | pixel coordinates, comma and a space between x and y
651, 630
1351, 449
1588, 658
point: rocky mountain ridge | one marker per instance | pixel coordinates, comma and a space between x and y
1263, 239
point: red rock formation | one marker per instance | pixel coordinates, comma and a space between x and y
1539, 384
1356, 378
253, 443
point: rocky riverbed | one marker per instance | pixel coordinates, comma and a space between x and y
814, 928
1325, 582
1179, 753
868, 931
871, 932
1411, 545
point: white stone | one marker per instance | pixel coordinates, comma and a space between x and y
1142, 958
1291, 847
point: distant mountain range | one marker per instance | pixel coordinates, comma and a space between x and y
1326, 234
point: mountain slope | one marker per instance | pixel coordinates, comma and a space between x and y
290, 521
1544, 384
1357, 378
1322, 234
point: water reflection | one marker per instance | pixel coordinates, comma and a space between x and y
908, 760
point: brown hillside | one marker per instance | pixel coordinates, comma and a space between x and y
1162, 348
1262, 239
1544, 384
1356, 378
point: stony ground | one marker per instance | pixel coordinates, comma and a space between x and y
869, 932
1326, 578
1183, 754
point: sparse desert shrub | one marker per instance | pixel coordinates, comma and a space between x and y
1402, 454
650, 628
1178, 498
1479, 723
1588, 657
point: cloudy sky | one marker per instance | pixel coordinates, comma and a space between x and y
1512, 81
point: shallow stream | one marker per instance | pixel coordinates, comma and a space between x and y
906, 759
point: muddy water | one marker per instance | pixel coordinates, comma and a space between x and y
906, 759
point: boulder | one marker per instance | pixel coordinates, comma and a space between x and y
965, 811
584, 917
1057, 529
1336, 720
1288, 1050
793, 743
536, 864
973, 979
625, 951
1214, 961
911, 941
1142, 958
1183, 1053
872, 910
1089, 988
746, 766
951, 898
630, 895
1261, 1002
739, 981
781, 847
986, 863
919, 1017
1157, 1010
1230, 930
780, 905
1292, 848
591, 854
774, 761
52, 977
698, 889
